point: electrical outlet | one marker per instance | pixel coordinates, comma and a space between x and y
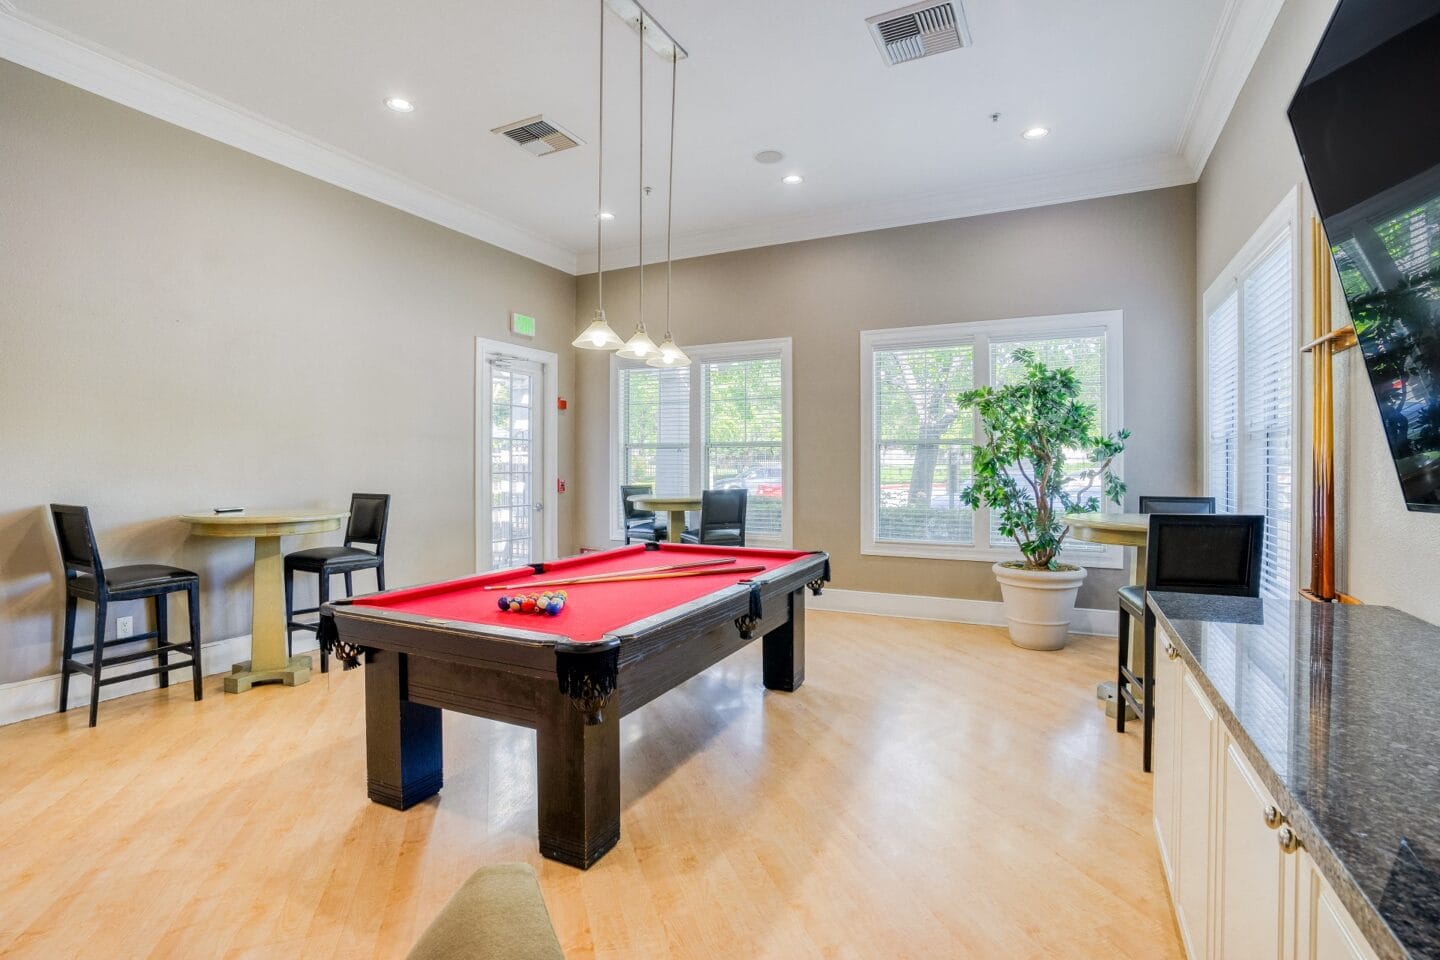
124, 627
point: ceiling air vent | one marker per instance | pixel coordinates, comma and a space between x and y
919, 30
538, 136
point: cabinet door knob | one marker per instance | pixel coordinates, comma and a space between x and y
1170, 651
1288, 841
1273, 816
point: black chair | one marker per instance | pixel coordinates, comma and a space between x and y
369, 517
87, 579
722, 519
1188, 553
1177, 504
640, 524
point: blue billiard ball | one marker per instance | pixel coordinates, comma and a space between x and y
553, 607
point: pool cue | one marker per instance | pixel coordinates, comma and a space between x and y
672, 575
589, 577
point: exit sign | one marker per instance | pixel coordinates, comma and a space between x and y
522, 325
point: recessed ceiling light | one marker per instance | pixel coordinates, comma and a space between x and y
399, 104
769, 156
1036, 133
605, 215
793, 179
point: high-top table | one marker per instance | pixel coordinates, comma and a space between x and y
676, 507
269, 662
1123, 530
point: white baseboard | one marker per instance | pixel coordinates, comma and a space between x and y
1087, 620
35, 698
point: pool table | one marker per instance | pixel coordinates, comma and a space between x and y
571, 677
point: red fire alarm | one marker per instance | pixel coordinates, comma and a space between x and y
559, 486
561, 403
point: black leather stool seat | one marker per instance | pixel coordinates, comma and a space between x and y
717, 536
1134, 596
135, 577
336, 558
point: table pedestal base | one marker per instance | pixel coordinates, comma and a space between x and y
295, 672
1105, 693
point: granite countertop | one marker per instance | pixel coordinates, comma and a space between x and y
1338, 710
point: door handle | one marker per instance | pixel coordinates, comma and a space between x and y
539, 506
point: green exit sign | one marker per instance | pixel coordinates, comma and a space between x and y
522, 325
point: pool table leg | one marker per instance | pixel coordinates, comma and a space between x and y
578, 782
785, 649
402, 739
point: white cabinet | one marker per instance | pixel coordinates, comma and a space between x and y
1323, 929
1194, 830
1242, 888
1250, 873
1169, 672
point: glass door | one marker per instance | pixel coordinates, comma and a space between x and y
517, 506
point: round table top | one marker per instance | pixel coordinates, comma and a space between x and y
1124, 529
263, 523
652, 501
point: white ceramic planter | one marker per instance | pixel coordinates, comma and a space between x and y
1039, 604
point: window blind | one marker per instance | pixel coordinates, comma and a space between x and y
1222, 396
654, 411
1249, 400
1085, 354
1267, 310
743, 429
921, 456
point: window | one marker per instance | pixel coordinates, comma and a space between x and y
1249, 389
916, 447
724, 420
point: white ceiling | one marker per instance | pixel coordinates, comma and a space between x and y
1125, 85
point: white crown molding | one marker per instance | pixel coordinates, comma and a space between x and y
1244, 27
50, 51
1132, 176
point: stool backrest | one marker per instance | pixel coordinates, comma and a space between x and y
723, 509
632, 512
369, 518
1219, 554
78, 551
1177, 504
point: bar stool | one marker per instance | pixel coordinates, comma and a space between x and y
369, 517
722, 519
1217, 554
87, 579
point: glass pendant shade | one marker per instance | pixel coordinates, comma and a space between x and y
598, 336
670, 355
639, 346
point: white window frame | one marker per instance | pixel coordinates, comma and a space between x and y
700, 355
1282, 223
979, 333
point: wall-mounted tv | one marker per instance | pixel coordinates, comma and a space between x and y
1367, 119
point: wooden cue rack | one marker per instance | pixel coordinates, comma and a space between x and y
1325, 344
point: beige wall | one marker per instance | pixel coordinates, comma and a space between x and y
1133, 253
183, 325
1388, 555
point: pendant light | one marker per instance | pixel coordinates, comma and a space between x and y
670, 354
599, 335
640, 346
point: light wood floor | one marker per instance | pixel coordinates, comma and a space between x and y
931, 792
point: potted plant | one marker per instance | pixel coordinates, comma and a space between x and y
1035, 429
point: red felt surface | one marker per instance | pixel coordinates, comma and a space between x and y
592, 609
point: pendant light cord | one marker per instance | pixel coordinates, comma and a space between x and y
641, 205
670, 192
600, 179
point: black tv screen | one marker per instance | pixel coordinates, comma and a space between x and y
1367, 120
